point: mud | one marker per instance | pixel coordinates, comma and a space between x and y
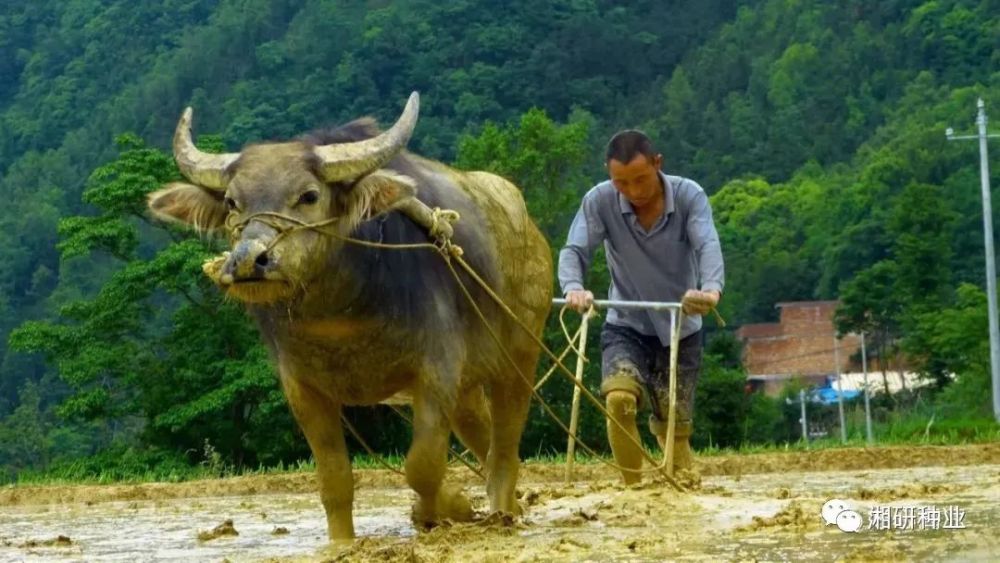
226, 528
721, 465
59, 541
796, 515
907, 491
742, 511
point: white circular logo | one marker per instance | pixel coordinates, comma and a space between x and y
832, 508
849, 521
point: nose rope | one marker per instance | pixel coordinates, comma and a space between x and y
440, 228
274, 220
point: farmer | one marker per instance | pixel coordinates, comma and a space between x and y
660, 241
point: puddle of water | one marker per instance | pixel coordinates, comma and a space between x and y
167, 530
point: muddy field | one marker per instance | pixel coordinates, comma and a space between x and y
754, 507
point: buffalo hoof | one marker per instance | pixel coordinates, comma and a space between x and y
451, 504
688, 478
499, 519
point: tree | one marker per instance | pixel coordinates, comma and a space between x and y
548, 161
958, 337
920, 226
920, 229
869, 303
157, 341
23, 435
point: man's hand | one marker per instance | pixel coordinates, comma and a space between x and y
699, 302
580, 299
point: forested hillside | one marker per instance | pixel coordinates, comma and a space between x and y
817, 126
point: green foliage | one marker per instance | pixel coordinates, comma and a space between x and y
817, 126
726, 414
924, 428
23, 435
764, 230
765, 422
720, 405
157, 341
954, 341
548, 161
920, 228
118, 463
727, 348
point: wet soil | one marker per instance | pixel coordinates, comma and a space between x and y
753, 507
226, 528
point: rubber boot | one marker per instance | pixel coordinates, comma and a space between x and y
683, 458
623, 406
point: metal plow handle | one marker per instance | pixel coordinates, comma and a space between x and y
612, 304
668, 450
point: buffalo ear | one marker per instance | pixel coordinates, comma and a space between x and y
190, 205
377, 193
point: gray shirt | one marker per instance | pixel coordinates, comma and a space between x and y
656, 265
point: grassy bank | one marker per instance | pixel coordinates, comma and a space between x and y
124, 465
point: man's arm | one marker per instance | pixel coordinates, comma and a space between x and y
705, 243
586, 232
708, 253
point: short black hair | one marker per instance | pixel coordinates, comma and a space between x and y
625, 145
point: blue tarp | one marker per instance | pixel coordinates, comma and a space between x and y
827, 395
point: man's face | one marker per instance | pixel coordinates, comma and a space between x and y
638, 180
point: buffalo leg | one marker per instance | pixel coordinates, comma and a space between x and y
426, 463
471, 422
509, 405
319, 418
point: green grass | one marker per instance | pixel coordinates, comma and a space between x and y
124, 465
908, 430
86, 472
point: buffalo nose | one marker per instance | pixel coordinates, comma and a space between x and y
249, 260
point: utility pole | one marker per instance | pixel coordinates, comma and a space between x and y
840, 391
803, 419
802, 416
991, 271
868, 410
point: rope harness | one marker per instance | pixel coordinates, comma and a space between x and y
451, 253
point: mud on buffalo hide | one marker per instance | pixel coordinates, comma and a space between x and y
410, 285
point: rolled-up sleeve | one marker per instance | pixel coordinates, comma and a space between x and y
586, 232
705, 243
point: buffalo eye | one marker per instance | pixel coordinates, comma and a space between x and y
230, 203
309, 198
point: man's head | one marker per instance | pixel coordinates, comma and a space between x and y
633, 166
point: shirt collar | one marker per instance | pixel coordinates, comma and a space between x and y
668, 194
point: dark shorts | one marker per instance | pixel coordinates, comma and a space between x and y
633, 361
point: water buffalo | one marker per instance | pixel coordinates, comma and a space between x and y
353, 325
